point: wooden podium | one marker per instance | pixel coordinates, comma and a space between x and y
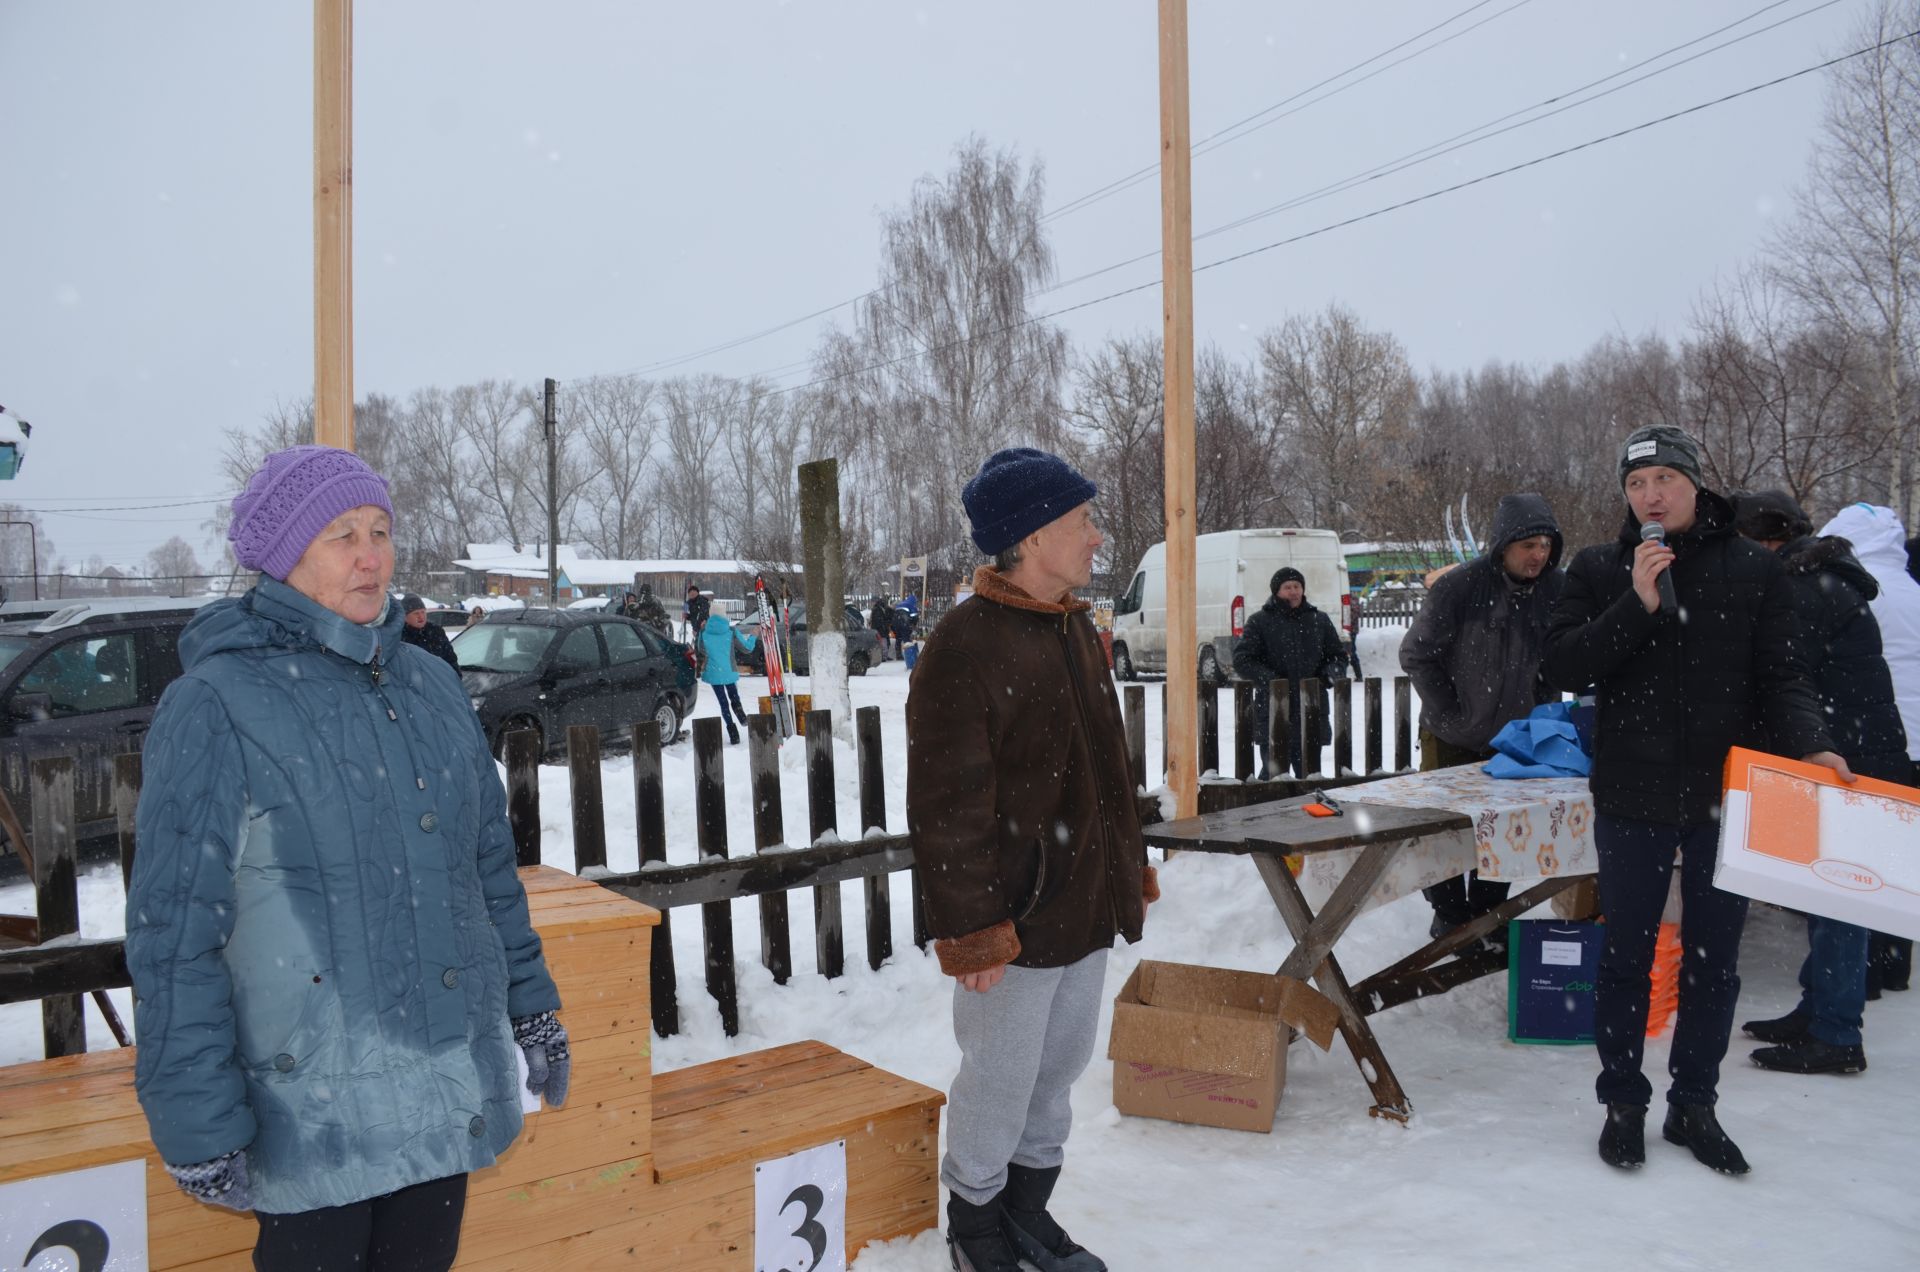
638, 1169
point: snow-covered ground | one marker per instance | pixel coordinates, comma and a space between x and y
1496, 1170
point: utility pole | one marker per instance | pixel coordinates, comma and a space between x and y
1176, 298
553, 493
333, 223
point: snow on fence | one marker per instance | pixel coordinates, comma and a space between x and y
62, 968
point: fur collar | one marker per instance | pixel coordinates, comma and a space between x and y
989, 584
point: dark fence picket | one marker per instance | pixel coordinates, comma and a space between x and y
710, 826
1136, 712
1280, 729
829, 937
1343, 728
1402, 724
589, 805
1373, 725
523, 795
126, 803
769, 832
873, 816
650, 828
1208, 701
56, 890
1311, 712
1243, 727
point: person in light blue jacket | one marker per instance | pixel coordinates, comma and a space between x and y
717, 642
332, 958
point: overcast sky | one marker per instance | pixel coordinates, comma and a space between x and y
577, 188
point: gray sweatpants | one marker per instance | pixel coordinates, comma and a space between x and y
1022, 1045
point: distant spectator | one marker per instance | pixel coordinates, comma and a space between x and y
695, 609
906, 617
478, 613
880, 618
646, 608
1291, 640
428, 636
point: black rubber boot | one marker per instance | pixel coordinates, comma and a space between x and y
1623, 1140
1033, 1232
1695, 1128
1791, 1027
1890, 961
1810, 1055
976, 1240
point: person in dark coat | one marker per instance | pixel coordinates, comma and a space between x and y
880, 618
1028, 840
695, 610
1831, 591
428, 636
1289, 639
646, 608
1677, 686
1473, 654
906, 615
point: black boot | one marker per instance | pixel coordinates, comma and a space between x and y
1791, 1027
1810, 1055
1890, 959
1694, 1127
1623, 1140
1040, 1240
975, 1238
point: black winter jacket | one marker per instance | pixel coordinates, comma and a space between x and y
1830, 592
1474, 650
1291, 643
1677, 692
435, 641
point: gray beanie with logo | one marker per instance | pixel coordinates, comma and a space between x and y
1662, 446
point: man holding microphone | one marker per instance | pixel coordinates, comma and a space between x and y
1688, 636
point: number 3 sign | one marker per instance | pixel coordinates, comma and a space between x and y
83, 1221
800, 1211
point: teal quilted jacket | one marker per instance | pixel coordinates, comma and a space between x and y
326, 934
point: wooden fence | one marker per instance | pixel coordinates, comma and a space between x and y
60, 974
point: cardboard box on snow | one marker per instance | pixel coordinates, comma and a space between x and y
1207, 1045
1796, 835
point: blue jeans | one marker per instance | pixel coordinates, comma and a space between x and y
723, 692
1833, 980
1636, 862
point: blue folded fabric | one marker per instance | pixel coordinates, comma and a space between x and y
1545, 744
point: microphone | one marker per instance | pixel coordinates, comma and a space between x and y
1669, 603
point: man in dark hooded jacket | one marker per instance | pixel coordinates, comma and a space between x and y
1831, 591
1473, 654
429, 636
1682, 673
1290, 640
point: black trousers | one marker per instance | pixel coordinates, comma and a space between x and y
1466, 897
416, 1229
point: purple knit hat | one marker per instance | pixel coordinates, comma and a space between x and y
295, 494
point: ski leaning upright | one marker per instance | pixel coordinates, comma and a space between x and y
772, 656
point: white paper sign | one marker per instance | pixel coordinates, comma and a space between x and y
800, 1211
529, 1102
1560, 953
83, 1221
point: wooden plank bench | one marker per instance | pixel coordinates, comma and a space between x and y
641, 1168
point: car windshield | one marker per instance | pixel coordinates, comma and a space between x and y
503, 647
11, 647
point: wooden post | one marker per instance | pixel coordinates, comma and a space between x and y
873, 816
1136, 712
1402, 724
1311, 712
821, 558
56, 893
1243, 727
829, 942
1176, 298
550, 431
589, 806
1343, 728
333, 223
650, 827
523, 795
769, 831
1373, 725
710, 829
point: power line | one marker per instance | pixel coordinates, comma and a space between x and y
81, 512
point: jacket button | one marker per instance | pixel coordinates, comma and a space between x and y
477, 1127
283, 1062
450, 978
430, 822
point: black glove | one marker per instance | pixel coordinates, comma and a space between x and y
220, 1182
544, 1040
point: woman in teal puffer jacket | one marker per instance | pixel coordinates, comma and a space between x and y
331, 951
717, 642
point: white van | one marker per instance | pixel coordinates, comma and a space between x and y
1231, 571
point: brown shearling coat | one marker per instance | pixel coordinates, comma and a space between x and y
1019, 803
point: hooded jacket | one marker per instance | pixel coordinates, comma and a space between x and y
325, 929
1879, 544
717, 640
1473, 652
1831, 592
1675, 694
1019, 801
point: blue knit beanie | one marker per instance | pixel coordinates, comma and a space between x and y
1016, 492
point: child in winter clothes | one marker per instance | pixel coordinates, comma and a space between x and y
717, 641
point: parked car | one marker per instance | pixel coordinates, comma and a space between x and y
863, 646
1231, 571
83, 682
545, 670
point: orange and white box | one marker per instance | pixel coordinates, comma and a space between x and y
1796, 835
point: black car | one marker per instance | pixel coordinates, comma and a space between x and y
863, 646
83, 682
545, 670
